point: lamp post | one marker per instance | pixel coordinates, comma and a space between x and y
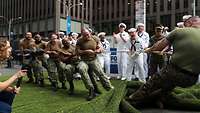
194, 7
68, 7
9, 22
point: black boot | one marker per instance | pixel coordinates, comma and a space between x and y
36, 81
41, 83
55, 86
91, 94
71, 89
63, 85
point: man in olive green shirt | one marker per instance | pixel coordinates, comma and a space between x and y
87, 47
184, 67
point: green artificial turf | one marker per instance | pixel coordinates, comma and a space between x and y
34, 99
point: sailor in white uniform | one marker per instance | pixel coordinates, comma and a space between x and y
121, 39
135, 57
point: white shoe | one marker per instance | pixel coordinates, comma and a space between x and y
97, 78
123, 78
118, 77
143, 81
108, 77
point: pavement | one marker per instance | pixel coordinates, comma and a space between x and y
8, 71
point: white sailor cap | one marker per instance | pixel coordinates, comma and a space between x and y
61, 33
132, 30
140, 24
74, 34
101, 34
166, 28
180, 24
185, 17
122, 25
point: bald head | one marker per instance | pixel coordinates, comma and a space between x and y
192, 22
85, 33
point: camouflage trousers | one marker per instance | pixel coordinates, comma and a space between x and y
52, 71
88, 67
163, 83
38, 69
68, 70
26, 64
61, 73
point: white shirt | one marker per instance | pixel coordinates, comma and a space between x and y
121, 45
137, 45
145, 39
106, 47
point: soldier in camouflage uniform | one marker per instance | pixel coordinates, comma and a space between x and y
39, 60
183, 69
52, 47
27, 44
69, 61
87, 47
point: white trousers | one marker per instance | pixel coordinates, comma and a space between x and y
137, 64
105, 62
199, 79
145, 57
122, 63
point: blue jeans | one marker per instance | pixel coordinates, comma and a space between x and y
6, 100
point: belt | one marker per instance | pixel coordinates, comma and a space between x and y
183, 70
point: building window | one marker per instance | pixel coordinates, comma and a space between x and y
113, 9
118, 5
108, 7
123, 9
185, 4
179, 17
102, 10
169, 4
177, 4
161, 5
113, 14
166, 20
61, 6
148, 6
196, 2
155, 5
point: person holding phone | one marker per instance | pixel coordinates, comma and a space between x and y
7, 92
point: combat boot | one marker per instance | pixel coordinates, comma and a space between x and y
55, 86
91, 94
71, 89
63, 86
41, 83
36, 80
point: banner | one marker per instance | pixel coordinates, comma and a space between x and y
68, 25
113, 61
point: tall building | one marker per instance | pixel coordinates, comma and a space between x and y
107, 14
43, 16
